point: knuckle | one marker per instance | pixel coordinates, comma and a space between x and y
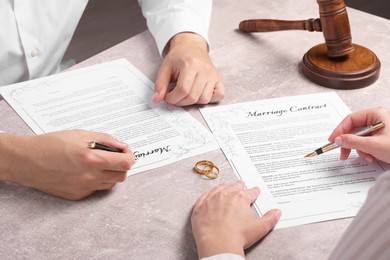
110, 186
106, 136
241, 195
87, 179
122, 177
190, 61
220, 93
221, 195
88, 159
191, 99
126, 165
183, 89
204, 100
195, 212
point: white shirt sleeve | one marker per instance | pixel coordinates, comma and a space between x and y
224, 257
166, 18
34, 36
368, 236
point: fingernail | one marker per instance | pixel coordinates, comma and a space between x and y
155, 94
338, 141
278, 213
369, 159
123, 143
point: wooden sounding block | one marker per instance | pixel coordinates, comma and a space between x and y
337, 63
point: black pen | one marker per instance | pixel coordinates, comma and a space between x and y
330, 146
95, 145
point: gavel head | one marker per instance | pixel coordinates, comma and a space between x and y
335, 27
337, 63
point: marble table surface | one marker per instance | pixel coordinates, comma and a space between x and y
148, 216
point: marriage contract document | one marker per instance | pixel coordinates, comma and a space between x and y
265, 142
113, 98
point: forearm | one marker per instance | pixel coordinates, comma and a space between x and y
11, 159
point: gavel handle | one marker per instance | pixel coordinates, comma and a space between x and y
266, 25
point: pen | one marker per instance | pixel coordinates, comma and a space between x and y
95, 145
330, 146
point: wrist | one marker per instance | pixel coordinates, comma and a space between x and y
4, 160
10, 161
213, 245
190, 39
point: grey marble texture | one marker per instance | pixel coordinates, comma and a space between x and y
148, 216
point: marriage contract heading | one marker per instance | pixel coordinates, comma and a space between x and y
113, 98
265, 142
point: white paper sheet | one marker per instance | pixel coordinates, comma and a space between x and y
266, 141
113, 98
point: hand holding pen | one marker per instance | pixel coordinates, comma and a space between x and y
333, 145
61, 164
375, 146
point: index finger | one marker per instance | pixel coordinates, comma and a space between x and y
183, 86
349, 124
114, 161
251, 194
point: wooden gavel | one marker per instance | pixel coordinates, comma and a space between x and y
336, 64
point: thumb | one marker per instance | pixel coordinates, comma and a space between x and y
162, 83
263, 226
350, 141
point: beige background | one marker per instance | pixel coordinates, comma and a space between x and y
148, 216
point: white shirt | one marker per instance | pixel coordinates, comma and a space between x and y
34, 34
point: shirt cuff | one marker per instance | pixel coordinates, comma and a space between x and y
166, 31
165, 19
224, 257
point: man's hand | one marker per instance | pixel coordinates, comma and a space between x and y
61, 164
188, 64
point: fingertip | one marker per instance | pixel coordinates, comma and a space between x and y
268, 221
218, 93
121, 145
336, 132
277, 213
369, 159
339, 141
272, 217
160, 86
133, 159
156, 97
344, 154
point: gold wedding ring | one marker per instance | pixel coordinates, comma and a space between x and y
207, 168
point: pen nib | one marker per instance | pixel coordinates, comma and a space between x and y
311, 154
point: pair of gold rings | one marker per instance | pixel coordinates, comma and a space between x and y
207, 168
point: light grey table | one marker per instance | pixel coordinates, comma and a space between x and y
148, 216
